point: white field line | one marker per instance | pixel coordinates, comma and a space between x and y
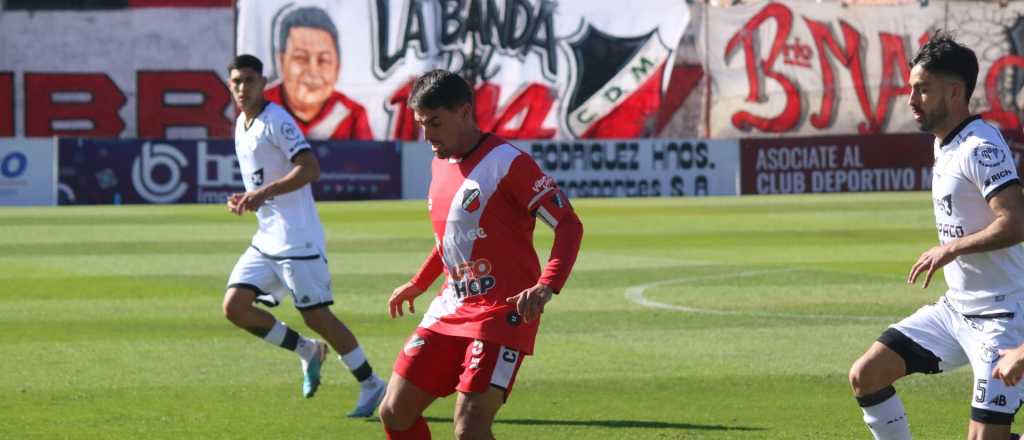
635, 294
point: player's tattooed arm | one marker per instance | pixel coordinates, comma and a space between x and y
530, 302
1006, 230
305, 170
1011, 366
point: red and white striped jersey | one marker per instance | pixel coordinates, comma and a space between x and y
483, 208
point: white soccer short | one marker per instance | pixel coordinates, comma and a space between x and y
957, 340
306, 279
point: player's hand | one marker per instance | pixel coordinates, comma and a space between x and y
929, 262
405, 293
233, 203
530, 302
1011, 366
251, 201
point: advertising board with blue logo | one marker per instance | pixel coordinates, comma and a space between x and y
130, 171
27, 174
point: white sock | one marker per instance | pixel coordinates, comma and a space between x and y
356, 362
887, 420
284, 337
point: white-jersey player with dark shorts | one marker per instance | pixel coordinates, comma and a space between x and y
287, 256
979, 215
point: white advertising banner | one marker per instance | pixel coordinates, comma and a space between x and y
640, 167
794, 67
543, 69
612, 168
28, 172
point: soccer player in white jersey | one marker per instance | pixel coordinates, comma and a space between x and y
979, 214
287, 255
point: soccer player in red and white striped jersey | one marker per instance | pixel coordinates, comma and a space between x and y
485, 196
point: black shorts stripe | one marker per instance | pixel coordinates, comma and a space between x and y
280, 258
990, 417
251, 287
259, 293
314, 306
917, 358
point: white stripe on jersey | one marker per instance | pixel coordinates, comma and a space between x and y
505, 367
539, 195
546, 216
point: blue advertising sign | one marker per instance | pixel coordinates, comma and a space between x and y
27, 172
115, 171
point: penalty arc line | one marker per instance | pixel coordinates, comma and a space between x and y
635, 294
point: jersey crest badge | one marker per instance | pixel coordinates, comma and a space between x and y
471, 199
257, 177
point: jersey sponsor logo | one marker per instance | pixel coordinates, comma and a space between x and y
472, 278
945, 204
947, 230
999, 400
989, 353
989, 155
543, 183
509, 356
257, 177
997, 177
462, 237
290, 131
163, 160
415, 342
471, 199
514, 318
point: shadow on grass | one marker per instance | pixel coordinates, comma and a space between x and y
610, 424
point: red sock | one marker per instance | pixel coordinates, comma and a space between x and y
418, 431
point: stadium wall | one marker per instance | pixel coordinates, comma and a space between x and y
155, 69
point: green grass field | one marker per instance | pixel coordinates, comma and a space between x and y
711, 318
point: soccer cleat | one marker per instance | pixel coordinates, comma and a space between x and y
311, 369
369, 399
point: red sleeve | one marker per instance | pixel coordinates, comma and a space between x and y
429, 271
568, 237
538, 194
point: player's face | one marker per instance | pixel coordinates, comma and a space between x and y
446, 130
930, 98
246, 87
309, 68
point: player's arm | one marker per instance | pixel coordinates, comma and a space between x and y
1011, 366
419, 283
1007, 203
540, 196
305, 170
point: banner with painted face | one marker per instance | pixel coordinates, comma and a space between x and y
543, 69
802, 68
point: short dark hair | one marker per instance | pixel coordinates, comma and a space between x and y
246, 60
309, 17
440, 88
944, 56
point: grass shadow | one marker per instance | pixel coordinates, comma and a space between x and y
647, 424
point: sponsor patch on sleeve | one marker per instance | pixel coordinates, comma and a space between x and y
989, 155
